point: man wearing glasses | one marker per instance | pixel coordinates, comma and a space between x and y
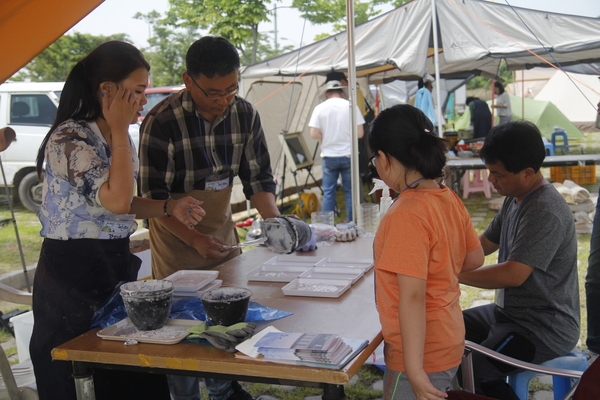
193, 143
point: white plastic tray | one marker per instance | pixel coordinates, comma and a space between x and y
350, 273
316, 287
212, 285
294, 261
364, 263
191, 280
275, 273
174, 331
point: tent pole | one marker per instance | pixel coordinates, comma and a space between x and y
356, 186
436, 60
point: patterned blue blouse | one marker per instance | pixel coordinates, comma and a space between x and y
77, 165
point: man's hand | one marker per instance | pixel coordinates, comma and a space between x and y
210, 247
188, 211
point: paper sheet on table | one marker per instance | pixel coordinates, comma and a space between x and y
247, 346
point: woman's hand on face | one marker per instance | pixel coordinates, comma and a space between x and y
120, 109
188, 211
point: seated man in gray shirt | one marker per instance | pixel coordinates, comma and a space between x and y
535, 317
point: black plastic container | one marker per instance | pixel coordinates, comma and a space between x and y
148, 303
226, 306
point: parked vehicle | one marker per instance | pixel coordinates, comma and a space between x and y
155, 95
30, 109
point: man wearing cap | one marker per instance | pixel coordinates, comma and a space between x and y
423, 99
330, 124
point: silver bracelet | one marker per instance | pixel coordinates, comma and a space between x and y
165, 207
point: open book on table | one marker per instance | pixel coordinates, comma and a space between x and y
314, 350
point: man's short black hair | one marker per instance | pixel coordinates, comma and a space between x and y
212, 56
518, 145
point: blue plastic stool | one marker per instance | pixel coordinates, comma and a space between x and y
575, 360
549, 149
564, 145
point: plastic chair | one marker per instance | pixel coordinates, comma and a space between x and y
561, 385
480, 183
18, 381
560, 140
545, 368
549, 149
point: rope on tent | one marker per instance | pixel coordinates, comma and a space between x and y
559, 68
550, 54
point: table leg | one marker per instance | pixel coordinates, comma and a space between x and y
333, 392
84, 382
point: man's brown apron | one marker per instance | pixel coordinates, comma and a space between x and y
170, 254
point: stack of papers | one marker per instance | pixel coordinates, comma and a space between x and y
315, 350
313, 347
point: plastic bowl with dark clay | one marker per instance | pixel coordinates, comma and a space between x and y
147, 303
226, 306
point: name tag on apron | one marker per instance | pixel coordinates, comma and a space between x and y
218, 181
117, 228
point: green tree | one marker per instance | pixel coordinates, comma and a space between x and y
235, 20
484, 82
55, 63
334, 11
167, 49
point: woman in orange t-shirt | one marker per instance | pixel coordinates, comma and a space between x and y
423, 242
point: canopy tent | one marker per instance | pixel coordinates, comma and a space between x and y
27, 27
544, 114
473, 36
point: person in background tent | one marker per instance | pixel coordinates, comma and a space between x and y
502, 104
330, 124
368, 113
88, 212
424, 100
419, 253
481, 117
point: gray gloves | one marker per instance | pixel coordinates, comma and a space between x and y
223, 337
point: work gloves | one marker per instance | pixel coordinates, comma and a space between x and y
312, 243
223, 337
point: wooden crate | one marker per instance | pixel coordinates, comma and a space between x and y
585, 175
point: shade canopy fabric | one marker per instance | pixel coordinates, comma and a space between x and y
474, 37
28, 27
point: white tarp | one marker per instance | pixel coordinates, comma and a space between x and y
474, 36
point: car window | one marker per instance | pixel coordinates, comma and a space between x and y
32, 109
153, 99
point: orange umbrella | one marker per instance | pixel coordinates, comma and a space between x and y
28, 27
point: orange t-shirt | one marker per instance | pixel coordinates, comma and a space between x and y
425, 234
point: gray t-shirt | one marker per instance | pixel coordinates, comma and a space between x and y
540, 232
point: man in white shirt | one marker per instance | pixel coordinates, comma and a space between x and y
330, 124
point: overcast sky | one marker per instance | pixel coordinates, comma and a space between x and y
116, 16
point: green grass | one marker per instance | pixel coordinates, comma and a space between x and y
28, 226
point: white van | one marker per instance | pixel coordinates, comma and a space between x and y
30, 109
